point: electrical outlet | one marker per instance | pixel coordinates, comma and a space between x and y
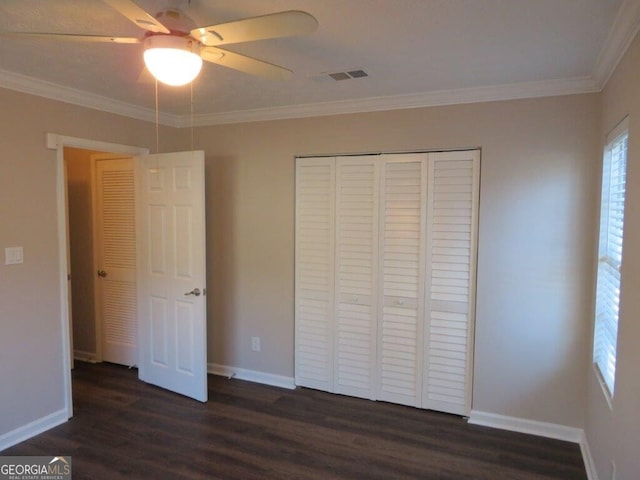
255, 344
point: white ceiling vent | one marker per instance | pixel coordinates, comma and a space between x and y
337, 76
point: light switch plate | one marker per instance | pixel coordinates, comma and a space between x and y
13, 255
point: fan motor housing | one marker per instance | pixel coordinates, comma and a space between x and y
172, 41
176, 21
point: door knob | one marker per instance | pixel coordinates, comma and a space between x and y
102, 273
195, 291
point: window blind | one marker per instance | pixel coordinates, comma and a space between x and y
610, 258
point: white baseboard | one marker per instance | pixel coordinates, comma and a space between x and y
83, 356
522, 425
32, 429
252, 376
589, 464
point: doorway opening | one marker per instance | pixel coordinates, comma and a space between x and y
102, 255
169, 259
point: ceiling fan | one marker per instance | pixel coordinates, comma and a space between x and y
174, 47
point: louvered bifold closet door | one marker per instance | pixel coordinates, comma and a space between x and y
401, 278
356, 264
314, 272
452, 220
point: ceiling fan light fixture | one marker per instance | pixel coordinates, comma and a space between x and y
172, 60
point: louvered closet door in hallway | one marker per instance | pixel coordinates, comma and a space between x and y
116, 259
356, 253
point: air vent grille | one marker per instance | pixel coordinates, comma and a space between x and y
357, 74
338, 76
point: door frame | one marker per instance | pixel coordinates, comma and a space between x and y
58, 142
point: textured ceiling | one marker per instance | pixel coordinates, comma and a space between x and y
408, 47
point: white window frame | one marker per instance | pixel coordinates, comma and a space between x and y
610, 251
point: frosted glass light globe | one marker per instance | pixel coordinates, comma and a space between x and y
172, 60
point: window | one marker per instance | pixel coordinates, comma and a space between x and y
610, 255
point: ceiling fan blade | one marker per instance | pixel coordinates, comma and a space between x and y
283, 24
244, 64
71, 37
137, 15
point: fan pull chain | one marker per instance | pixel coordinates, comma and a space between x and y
191, 85
157, 121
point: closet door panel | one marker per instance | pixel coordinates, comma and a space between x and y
356, 264
401, 279
314, 272
450, 280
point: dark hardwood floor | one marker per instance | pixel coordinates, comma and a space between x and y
124, 428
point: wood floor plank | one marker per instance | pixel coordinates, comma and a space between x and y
124, 428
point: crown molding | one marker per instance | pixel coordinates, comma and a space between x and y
513, 91
398, 102
547, 88
54, 91
624, 29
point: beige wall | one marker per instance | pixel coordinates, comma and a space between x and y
31, 358
78, 163
539, 163
614, 433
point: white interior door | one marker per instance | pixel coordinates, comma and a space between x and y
115, 258
171, 272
